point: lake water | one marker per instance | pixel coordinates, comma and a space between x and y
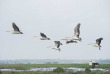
52, 68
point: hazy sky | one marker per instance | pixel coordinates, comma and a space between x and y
57, 19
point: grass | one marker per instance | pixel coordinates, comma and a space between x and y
17, 67
27, 66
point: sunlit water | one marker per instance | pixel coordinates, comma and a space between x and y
52, 68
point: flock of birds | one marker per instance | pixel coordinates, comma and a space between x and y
71, 39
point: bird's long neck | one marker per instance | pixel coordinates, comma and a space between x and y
38, 36
94, 44
10, 31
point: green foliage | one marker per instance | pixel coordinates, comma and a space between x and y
58, 69
0, 72
87, 70
15, 72
27, 66
20, 68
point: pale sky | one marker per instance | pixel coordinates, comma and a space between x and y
57, 19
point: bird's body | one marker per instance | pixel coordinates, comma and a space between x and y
16, 32
97, 44
42, 36
73, 38
56, 46
76, 33
16, 29
69, 41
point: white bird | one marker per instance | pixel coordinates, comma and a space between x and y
42, 36
16, 29
76, 33
97, 44
56, 46
69, 41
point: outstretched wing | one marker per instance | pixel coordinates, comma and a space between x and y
15, 27
43, 35
57, 44
60, 43
98, 41
77, 30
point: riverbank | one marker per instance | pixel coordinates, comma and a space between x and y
28, 66
48, 68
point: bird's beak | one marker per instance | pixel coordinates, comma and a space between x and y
7, 31
63, 39
37, 36
90, 44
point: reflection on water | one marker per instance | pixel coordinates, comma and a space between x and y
52, 68
83, 69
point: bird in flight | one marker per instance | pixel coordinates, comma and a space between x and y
16, 29
76, 33
98, 42
56, 46
42, 36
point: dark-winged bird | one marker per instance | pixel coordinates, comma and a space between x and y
42, 36
16, 29
98, 42
56, 46
76, 33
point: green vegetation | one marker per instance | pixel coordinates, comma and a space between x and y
15, 72
17, 67
0, 72
42, 65
58, 69
27, 66
87, 70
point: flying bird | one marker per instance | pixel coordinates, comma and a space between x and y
98, 42
76, 33
69, 41
16, 29
42, 36
56, 46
